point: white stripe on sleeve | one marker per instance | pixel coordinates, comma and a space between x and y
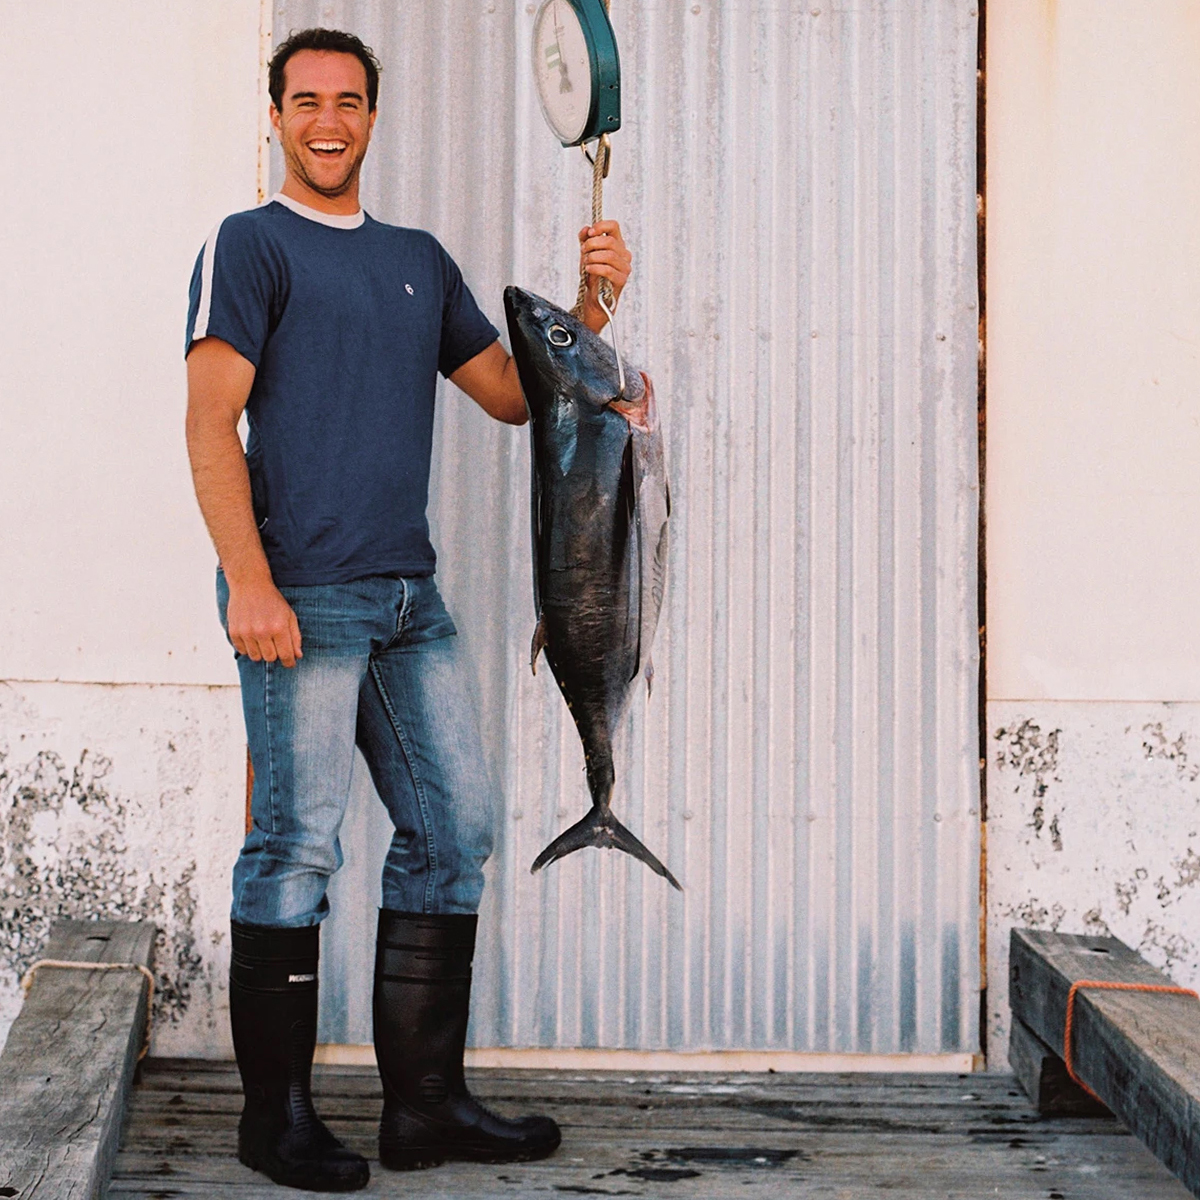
206, 278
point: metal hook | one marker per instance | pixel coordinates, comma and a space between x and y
603, 145
612, 325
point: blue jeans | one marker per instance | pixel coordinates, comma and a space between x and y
382, 670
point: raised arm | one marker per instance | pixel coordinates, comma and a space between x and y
490, 378
261, 622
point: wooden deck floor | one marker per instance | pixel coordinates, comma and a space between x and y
685, 1136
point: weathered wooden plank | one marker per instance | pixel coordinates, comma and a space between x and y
756, 1106
160, 1129
67, 1066
692, 1141
1140, 1052
1112, 1168
916, 1092
1043, 1076
981, 1104
157, 1113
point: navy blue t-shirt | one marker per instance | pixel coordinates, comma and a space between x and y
347, 322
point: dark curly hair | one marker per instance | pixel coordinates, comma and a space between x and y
322, 39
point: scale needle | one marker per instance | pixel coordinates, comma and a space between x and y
564, 84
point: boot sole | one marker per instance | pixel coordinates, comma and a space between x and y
411, 1160
421, 1158
303, 1182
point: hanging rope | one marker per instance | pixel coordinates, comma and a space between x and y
605, 296
600, 164
59, 964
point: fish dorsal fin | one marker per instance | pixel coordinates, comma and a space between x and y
539, 640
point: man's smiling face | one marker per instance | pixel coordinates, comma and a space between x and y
325, 126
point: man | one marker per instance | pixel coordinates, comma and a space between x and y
328, 328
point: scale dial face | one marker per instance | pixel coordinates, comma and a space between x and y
562, 68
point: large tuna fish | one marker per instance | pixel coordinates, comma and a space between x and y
600, 507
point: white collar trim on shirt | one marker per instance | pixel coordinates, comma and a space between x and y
353, 221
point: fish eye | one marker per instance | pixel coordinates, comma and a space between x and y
559, 336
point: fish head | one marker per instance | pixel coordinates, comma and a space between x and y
559, 358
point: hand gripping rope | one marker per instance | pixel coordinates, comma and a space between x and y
1107, 986
27, 983
601, 161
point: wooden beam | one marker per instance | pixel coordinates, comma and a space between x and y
1043, 1077
67, 1066
1138, 1051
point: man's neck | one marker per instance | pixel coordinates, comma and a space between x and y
345, 205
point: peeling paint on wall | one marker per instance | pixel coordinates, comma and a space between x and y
123, 802
1157, 743
1031, 756
1093, 827
64, 853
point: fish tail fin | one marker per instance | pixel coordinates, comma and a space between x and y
600, 828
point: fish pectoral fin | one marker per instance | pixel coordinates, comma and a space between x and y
539, 640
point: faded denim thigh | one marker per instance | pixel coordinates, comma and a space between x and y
381, 669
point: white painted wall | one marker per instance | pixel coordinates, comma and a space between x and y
1093, 827
124, 802
1093, 265
1093, 486
138, 131
135, 129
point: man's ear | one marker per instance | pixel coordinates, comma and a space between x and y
276, 118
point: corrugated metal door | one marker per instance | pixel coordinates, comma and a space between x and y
797, 183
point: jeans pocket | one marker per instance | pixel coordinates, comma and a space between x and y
428, 618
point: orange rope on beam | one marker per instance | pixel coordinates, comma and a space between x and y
1108, 986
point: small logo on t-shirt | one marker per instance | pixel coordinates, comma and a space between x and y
408, 289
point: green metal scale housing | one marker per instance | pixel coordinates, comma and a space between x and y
577, 70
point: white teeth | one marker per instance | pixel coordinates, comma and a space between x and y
327, 145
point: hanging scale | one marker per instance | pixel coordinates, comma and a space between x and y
578, 76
